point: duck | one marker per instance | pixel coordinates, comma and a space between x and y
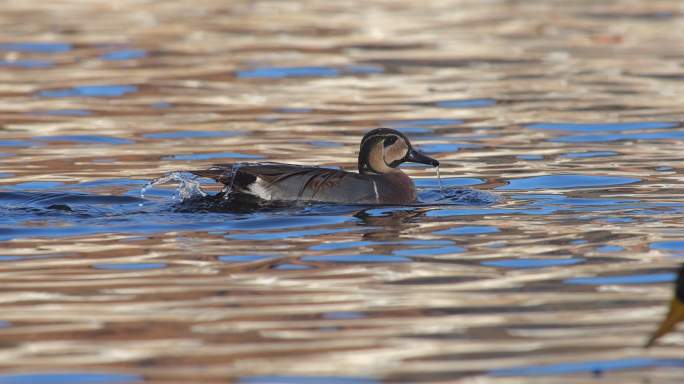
675, 313
379, 180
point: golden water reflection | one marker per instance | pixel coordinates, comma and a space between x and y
122, 92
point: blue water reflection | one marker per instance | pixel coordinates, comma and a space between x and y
441, 148
675, 135
676, 246
523, 263
652, 278
36, 47
26, 63
595, 367
64, 112
530, 157
468, 230
609, 248
90, 91
68, 378
243, 258
589, 155
565, 182
448, 182
124, 54
603, 127
283, 72
357, 258
307, 71
16, 143
466, 103
85, 139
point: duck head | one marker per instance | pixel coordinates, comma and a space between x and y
383, 150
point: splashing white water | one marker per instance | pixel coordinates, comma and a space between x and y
439, 180
188, 186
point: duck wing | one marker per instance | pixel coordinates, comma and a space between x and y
288, 182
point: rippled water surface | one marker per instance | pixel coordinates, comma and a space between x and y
558, 126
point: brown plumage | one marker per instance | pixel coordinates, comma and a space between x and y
379, 181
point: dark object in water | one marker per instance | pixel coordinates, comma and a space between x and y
379, 180
676, 312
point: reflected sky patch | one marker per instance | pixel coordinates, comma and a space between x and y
429, 251
447, 182
674, 135
161, 105
531, 263
361, 258
129, 266
468, 230
36, 47
595, 367
364, 69
64, 112
36, 185
343, 315
124, 54
287, 235
566, 181
243, 258
68, 378
293, 267
356, 244
313, 71
609, 248
26, 63
653, 278
15, 143
530, 157
672, 246
603, 127
90, 91
440, 148
85, 139
466, 103
586, 155
284, 72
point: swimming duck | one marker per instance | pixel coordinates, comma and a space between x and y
379, 180
676, 312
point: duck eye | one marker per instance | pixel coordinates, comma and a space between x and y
390, 140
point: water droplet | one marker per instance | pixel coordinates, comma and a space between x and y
188, 186
439, 179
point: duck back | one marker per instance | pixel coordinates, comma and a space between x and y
286, 182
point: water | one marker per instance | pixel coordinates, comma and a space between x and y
542, 251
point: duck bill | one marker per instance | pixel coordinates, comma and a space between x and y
674, 316
419, 157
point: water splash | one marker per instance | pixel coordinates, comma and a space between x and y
188, 186
439, 179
